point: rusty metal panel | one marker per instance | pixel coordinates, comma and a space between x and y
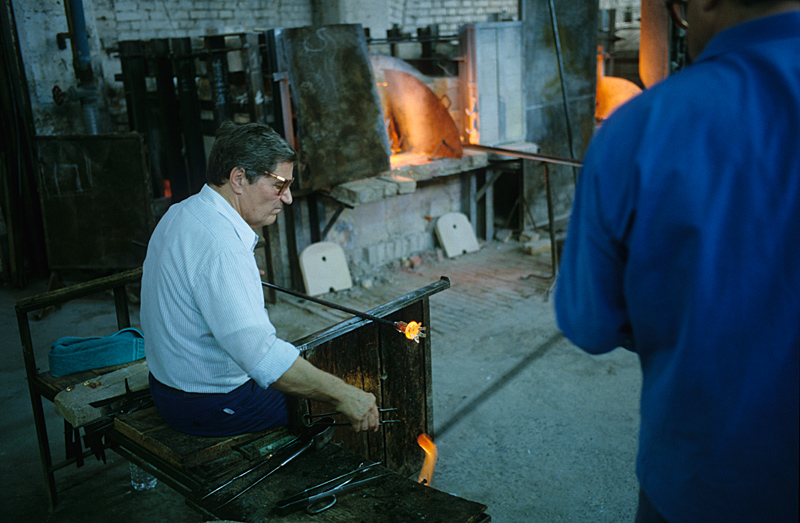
354, 358
339, 120
96, 200
382, 361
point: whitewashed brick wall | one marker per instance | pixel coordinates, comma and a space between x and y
634, 7
111, 21
145, 19
449, 14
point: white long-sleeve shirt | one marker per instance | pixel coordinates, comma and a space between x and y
202, 310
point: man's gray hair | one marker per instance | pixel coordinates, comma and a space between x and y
254, 147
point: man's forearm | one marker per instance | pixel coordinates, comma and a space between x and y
305, 380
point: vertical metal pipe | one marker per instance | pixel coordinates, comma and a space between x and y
253, 77
292, 229
82, 63
269, 66
313, 217
131, 57
191, 123
551, 221
218, 73
169, 124
563, 85
80, 40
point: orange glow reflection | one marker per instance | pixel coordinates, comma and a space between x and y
426, 474
612, 92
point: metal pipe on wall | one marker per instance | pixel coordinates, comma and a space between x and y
82, 63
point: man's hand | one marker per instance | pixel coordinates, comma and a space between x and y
361, 409
305, 380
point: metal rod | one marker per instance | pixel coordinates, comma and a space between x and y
524, 155
330, 304
551, 224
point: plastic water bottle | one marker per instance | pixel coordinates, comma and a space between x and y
141, 480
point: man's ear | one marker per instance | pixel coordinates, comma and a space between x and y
237, 179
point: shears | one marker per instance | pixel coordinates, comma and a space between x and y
323, 496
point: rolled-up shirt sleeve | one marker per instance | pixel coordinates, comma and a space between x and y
230, 298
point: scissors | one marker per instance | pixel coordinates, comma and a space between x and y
323, 496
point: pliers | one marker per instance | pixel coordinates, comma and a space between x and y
307, 418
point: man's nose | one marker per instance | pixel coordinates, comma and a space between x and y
286, 197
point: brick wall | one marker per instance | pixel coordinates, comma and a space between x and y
110, 21
449, 14
144, 19
119, 20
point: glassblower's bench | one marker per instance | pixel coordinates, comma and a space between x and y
370, 355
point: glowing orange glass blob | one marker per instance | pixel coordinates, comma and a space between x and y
412, 330
431, 454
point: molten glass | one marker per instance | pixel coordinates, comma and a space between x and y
412, 330
426, 474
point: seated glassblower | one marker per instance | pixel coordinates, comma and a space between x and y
217, 366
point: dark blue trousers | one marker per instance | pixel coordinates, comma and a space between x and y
248, 408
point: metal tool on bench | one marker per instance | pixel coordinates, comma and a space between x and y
258, 465
323, 496
317, 436
330, 421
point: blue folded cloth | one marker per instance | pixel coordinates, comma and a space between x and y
70, 354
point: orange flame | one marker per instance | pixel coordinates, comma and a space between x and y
426, 474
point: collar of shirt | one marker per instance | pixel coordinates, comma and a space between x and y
752, 32
246, 234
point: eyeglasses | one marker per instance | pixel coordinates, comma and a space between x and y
677, 10
285, 184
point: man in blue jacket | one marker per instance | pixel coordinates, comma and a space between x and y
684, 246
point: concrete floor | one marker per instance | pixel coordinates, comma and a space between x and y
526, 423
